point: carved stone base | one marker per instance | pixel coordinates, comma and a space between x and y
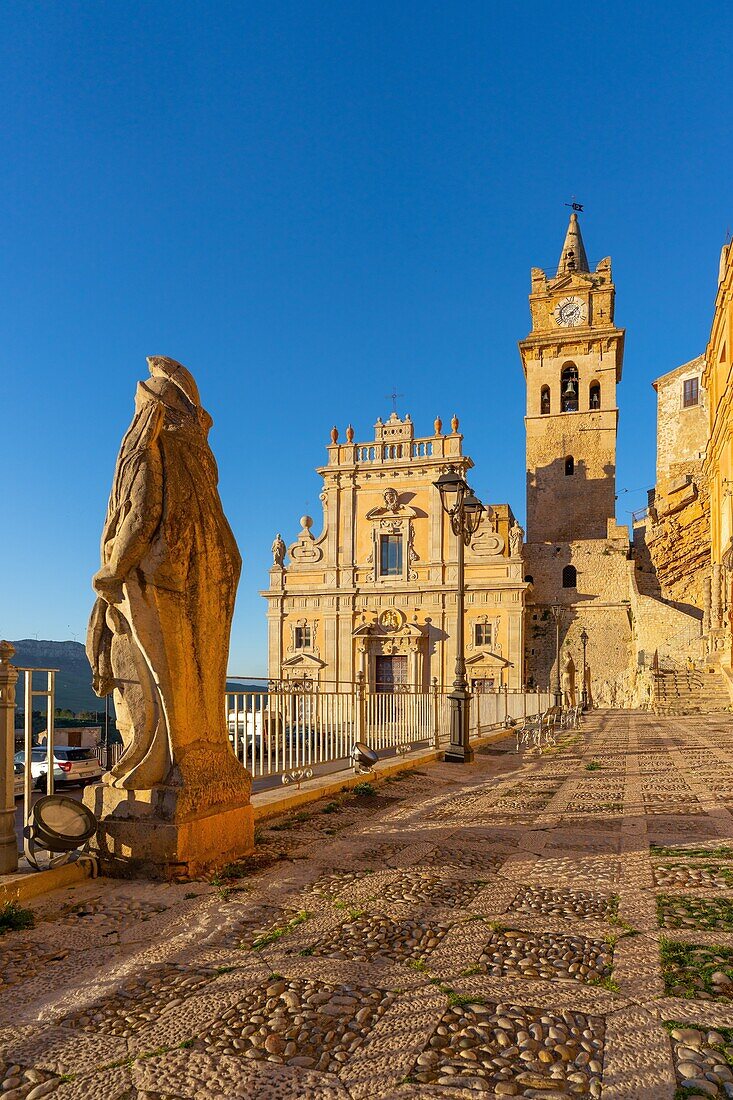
134, 838
8, 843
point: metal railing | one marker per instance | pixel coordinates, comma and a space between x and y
108, 755
291, 731
32, 692
496, 708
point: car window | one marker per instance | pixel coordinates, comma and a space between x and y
74, 754
38, 754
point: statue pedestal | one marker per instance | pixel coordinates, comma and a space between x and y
152, 833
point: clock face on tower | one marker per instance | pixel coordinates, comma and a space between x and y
570, 312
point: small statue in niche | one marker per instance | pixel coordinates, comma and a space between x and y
516, 539
278, 551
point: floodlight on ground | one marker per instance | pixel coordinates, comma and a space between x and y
59, 826
363, 758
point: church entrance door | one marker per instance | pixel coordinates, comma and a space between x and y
391, 674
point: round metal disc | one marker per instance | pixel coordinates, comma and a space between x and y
61, 824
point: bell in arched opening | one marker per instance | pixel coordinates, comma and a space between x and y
569, 388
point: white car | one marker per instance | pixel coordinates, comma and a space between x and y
18, 779
71, 766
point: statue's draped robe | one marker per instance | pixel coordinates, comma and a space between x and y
166, 641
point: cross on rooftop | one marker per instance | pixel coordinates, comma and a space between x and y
393, 397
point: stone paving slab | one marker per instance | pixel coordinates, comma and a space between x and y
464, 936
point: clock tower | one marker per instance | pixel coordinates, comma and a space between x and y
572, 362
576, 556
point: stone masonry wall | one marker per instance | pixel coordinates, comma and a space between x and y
600, 604
682, 433
678, 540
576, 506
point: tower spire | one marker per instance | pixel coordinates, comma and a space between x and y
573, 257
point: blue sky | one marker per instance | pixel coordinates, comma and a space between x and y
308, 204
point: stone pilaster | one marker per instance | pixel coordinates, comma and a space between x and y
8, 840
715, 611
706, 594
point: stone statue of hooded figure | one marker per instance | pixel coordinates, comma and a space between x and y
159, 631
568, 681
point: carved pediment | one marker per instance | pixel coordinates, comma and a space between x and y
392, 509
390, 623
492, 660
305, 661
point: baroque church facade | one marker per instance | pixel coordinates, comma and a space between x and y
372, 596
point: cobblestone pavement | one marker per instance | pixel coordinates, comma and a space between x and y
546, 926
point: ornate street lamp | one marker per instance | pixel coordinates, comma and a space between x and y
584, 692
557, 610
465, 510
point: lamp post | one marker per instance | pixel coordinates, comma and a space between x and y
464, 510
557, 611
584, 693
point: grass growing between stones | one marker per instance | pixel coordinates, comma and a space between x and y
687, 1038
681, 911
693, 970
14, 918
608, 983
721, 852
693, 874
726, 1034
278, 932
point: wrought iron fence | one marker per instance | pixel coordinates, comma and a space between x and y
292, 727
497, 708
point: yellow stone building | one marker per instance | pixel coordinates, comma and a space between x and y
375, 591
677, 529
577, 557
718, 381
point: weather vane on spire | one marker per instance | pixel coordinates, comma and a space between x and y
574, 205
393, 397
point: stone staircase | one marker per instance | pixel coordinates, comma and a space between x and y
690, 691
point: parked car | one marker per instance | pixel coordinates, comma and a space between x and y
72, 766
18, 779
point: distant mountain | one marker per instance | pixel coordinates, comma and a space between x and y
73, 680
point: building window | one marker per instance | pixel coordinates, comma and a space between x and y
302, 637
545, 400
390, 555
569, 466
569, 388
690, 392
569, 577
594, 401
482, 634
